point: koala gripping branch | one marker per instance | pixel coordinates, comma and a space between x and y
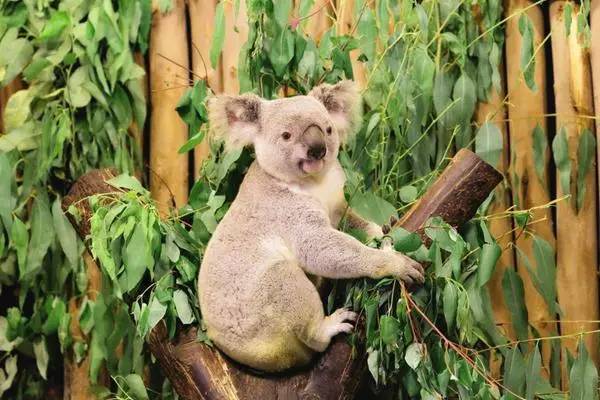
201, 372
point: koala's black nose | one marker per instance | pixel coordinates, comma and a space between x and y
317, 151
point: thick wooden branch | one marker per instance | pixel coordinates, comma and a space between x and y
201, 372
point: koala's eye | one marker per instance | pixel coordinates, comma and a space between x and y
286, 135
328, 130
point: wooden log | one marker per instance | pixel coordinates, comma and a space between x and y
202, 14
200, 372
526, 111
494, 111
577, 278
168, 169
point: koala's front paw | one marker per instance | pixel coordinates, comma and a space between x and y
403, 268
374, 231
339, 322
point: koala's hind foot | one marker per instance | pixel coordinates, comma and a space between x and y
338, 322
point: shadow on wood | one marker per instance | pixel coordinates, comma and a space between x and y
201, 372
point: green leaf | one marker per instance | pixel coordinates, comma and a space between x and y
544, 276
282, 50
488, 143
18, 109
125, 181
372, 207
218, 35
138, 256
77, 95
136, 390
414, 354
567, 15
586, 153
281, 11
66, 235
182, 305
540, 147
408, 193
57, 312
15, 54
545, 272
42, 235
390, 329
512, 287
583, 376
465, 96
157, 311
514, 373
41, 356
535, 384
55, 26
35, 68
527, 51
373, 364
450, 302
7, 201
405, 241
20, 238
7, 378
490, 254
560, 150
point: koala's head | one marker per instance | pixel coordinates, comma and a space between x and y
294, 138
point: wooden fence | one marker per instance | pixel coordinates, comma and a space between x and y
568, 97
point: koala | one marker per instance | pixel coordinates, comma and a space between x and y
257, 300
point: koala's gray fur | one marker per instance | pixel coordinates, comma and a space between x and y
259, 306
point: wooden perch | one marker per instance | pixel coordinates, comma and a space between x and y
201, 372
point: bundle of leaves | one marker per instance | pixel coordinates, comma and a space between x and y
82, 93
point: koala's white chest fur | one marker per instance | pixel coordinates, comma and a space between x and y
328, 190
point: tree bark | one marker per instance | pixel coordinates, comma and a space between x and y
201, 372
526, 111
577, 262
168, 81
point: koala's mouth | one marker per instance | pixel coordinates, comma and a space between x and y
311, 166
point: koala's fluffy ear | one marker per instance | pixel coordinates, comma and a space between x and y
344, 104
234, 119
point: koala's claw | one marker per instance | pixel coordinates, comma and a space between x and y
337, 322
413, 270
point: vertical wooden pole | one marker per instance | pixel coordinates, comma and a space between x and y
595, 62
526, 111
494, 111
577, 278
168, 169
236, 34
318, 20
345, 25
77, 384
202, 15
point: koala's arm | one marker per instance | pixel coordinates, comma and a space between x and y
327, 252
